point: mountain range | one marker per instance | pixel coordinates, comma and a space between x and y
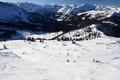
55, 18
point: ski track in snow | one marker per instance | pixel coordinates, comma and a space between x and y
97, 59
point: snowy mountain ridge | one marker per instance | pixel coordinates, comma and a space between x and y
76, 9
30, 7
10, 12
20, 11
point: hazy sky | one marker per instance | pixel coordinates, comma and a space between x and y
103, 2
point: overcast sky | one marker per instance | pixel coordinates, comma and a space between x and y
103, 2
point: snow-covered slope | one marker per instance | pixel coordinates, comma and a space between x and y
73, 9
83, 8
66, 9
30, 7
107, 8
97, 59
11, 13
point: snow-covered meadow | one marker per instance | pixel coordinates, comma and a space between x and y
97, 59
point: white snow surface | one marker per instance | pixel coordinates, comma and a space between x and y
97, 59
65, 9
